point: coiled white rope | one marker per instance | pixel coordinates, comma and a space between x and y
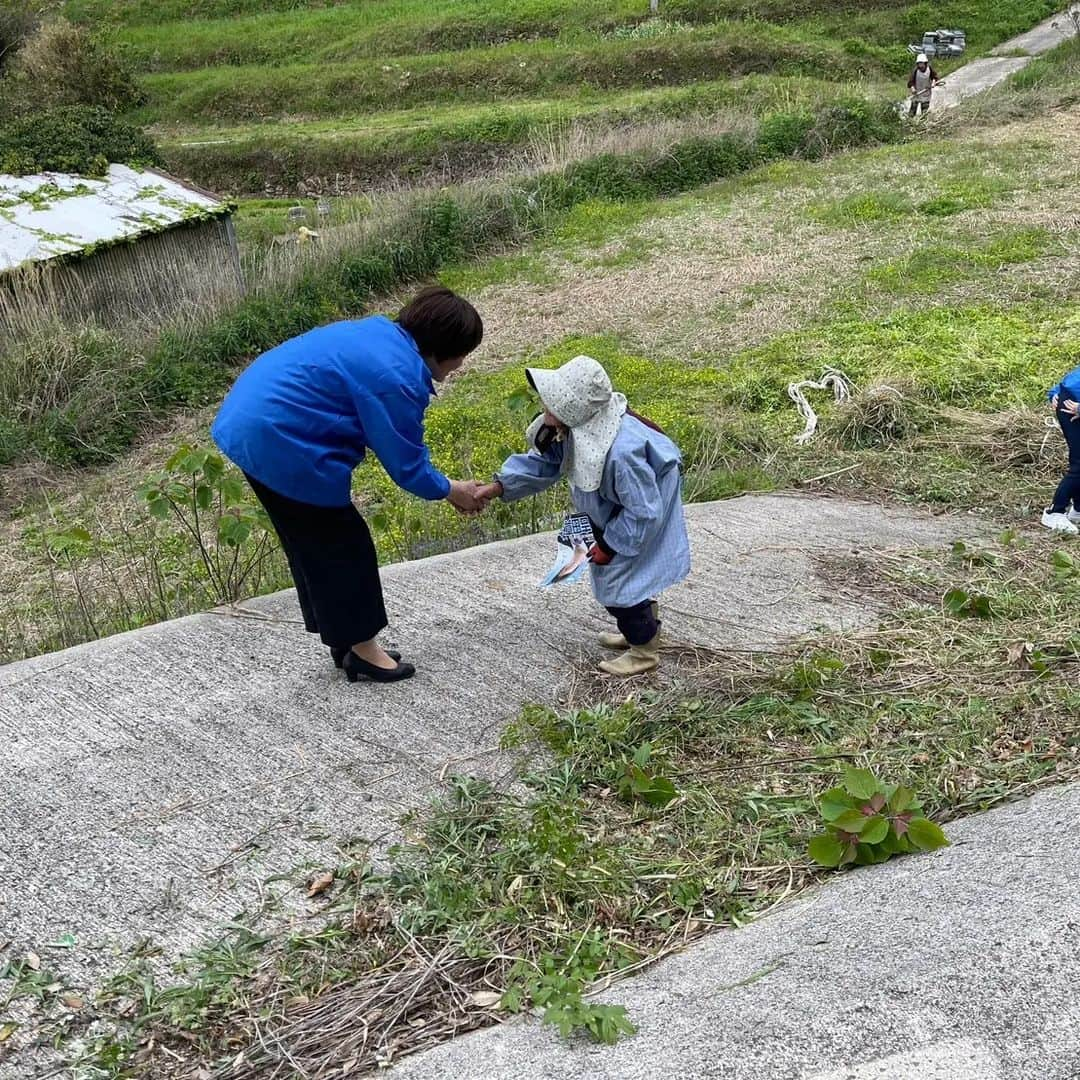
832, 379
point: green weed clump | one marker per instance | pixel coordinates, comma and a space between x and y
81, 139
868, 822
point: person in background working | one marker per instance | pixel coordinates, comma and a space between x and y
921, 85
1063, 514
300, 418
626, 475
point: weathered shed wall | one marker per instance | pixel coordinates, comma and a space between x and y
154, 277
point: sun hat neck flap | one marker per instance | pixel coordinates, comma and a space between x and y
579, 394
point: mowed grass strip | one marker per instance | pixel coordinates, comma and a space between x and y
373, 30
237, 94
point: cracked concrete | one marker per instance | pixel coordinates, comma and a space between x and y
153, 781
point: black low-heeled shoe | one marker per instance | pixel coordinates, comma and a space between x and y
356, 668
338, 655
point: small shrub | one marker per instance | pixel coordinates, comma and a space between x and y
847, 124
231, 534
64, 65
869, 822
784, 134
81, 139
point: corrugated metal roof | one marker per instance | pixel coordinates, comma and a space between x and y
54, 214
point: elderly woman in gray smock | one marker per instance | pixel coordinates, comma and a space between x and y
626, 474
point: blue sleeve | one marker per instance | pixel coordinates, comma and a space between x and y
531, 473
642, 506
1070, 385
1053, 392
393, 423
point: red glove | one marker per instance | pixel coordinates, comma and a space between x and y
600, 554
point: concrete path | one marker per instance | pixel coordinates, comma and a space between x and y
961, 965
153, 781
990, 70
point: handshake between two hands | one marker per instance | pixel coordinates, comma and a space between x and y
471, 497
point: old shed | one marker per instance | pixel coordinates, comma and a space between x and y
135, 243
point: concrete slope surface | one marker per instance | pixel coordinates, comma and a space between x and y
153, 781
961, 965
988, 71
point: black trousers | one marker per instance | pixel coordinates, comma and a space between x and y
334, 565
1068, 492
916, 106
637, 624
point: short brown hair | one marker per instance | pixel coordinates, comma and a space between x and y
444, 325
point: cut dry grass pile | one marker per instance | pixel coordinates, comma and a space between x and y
1015, 439
967, 694
881, 414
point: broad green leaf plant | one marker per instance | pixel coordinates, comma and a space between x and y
869, 822
231, 534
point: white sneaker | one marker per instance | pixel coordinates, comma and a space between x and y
1074, 516
1059, 522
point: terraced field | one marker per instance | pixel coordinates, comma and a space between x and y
287, 96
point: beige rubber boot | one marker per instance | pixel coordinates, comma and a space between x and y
617, 641
613, 641
635, 661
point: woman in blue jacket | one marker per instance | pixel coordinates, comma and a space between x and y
302, 417
1063, 514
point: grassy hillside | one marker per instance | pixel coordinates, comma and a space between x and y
938, 274
261, 97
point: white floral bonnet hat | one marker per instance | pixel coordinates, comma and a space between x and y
580, 395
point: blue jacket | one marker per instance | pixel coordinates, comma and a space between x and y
638, 508
301, 416
1069, 387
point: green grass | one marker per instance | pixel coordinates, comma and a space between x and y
939, 264
272, 33
92, 410
981, 357
529, 69
371, 90
360, 152
369, 30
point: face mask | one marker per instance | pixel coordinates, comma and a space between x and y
545, 437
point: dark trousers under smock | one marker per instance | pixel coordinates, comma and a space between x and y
1068, 492
334, 565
